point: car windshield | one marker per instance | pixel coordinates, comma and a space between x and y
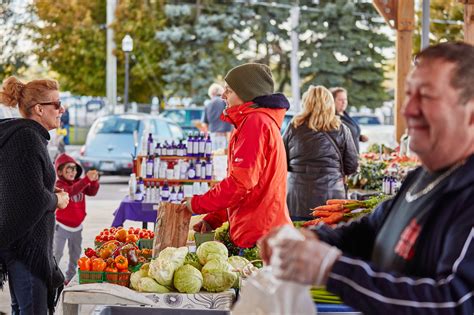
117, 125
367, 120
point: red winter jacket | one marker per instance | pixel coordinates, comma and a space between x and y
75, 212
253, 195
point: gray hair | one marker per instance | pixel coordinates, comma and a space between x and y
215, 90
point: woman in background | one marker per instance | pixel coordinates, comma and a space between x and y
28, 198
340, 99
320, 152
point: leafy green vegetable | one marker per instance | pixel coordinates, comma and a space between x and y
187, 279
193, 260
212, 250
218, 275
147, 284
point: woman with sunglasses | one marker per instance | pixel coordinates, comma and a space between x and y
28, 197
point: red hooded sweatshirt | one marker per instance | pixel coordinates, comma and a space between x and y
75, 212
253, 195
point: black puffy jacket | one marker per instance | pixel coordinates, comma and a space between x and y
314, 166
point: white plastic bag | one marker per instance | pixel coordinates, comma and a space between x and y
263, 293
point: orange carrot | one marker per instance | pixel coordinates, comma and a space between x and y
331, 208
312, 222
334, 218
339, 201
322, 213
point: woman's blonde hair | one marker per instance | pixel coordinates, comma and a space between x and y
319, 110
14, 92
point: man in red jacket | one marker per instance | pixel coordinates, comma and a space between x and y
69, 220
252, 196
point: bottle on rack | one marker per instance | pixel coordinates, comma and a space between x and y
196, 145
180, 195
158, 149
132, 186
173, 195
149, 166
142, 168
162, 171
164, 149
179, 148
152, 193
176, 169
138, 195
209, 168
208, 146
157, 192
141, 185
203, 169
148, 193
190, 145
156, 166
202, 144
172, 150
198, 169
165, 192
150, 146
191, 170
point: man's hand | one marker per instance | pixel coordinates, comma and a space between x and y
202, 227
93, 175
307, 262
57, 189
63, 200
363, 138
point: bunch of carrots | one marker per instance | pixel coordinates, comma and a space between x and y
336, 210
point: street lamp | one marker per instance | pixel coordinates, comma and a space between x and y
127, 47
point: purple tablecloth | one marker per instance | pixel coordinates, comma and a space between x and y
135, 211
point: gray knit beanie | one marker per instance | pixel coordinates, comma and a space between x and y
250, 80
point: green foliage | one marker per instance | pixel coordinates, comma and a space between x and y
341, 46
443, 27
197, 39
71, 40
12, 55
141, 20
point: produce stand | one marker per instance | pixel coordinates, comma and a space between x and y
135, 211
110, 294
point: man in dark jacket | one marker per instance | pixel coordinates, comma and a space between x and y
415, 253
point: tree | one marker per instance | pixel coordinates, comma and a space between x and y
446, 23
13, 55
342, 47
141, 19
197, 37
70, 38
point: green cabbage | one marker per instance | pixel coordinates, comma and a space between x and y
162, 269
146, 284
193, 260
211, 250
187, 279
136, 276
218, 276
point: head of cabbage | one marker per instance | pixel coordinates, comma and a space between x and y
218, 275
147, 284
193, 260
187, 279
211, 250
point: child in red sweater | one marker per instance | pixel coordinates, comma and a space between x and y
69, 220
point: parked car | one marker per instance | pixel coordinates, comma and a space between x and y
371, 125
83, 114
110, 144
184, 117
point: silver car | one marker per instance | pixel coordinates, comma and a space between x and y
110, 143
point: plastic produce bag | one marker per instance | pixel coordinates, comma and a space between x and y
263, 293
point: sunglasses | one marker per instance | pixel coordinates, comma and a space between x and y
57, 105
71, 168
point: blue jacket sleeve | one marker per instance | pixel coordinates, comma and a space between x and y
450, 290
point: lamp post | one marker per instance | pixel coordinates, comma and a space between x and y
127, 47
